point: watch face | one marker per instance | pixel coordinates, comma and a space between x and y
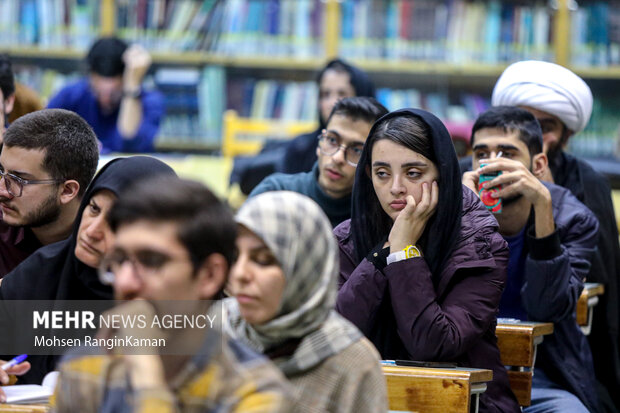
412, 251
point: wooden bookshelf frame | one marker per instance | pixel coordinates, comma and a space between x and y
561, 33
108, 17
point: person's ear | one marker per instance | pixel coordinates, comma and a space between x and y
69, 191
540, 165
8, 104
211, 276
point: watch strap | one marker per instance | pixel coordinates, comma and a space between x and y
396, 256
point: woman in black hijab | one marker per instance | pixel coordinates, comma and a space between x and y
422, 265
67, 270
336, 80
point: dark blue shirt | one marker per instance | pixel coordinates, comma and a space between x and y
306, 183
511, 305
79, 98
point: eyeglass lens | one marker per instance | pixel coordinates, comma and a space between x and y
329, 145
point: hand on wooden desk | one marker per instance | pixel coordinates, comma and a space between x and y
17, 370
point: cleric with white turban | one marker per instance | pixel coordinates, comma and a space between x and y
547, 87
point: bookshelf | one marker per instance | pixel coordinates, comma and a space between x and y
283, 41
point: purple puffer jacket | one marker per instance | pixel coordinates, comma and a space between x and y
409, 313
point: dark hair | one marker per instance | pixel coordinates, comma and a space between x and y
7, 80
105, 57
205, 224
512, 119
364, 108
423, 133
70, 145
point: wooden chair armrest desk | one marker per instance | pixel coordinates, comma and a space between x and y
517, 344
435, 390
585, 306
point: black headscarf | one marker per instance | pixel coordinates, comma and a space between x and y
370, 225
299, 155
359, 80
53, 272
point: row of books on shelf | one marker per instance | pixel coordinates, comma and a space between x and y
180, 25
272, 27
197, 98
601, 138
229, 28
271, 99
49, 23
465, 107
456, 31
595, 34
452, 30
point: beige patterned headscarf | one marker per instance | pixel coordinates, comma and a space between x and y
299, 235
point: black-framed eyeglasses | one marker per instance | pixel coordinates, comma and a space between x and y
144, 263
15, 185
329, 144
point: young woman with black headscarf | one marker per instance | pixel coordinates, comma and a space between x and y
422, 266
337, 80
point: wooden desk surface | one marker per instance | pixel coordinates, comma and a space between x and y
24, 408
529, 328
473, 375
434, 390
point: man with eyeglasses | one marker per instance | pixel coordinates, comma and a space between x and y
47, 160
174, 244
339, 148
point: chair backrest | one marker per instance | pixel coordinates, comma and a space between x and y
243, 136
517, 342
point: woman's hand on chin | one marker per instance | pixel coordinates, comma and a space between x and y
410, 223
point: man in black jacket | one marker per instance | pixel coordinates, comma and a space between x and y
552, 238
562, 103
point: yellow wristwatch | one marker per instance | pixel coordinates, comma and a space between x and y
410, 251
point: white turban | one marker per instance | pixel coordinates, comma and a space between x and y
547, 87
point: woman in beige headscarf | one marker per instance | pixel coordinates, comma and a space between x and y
284, 283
